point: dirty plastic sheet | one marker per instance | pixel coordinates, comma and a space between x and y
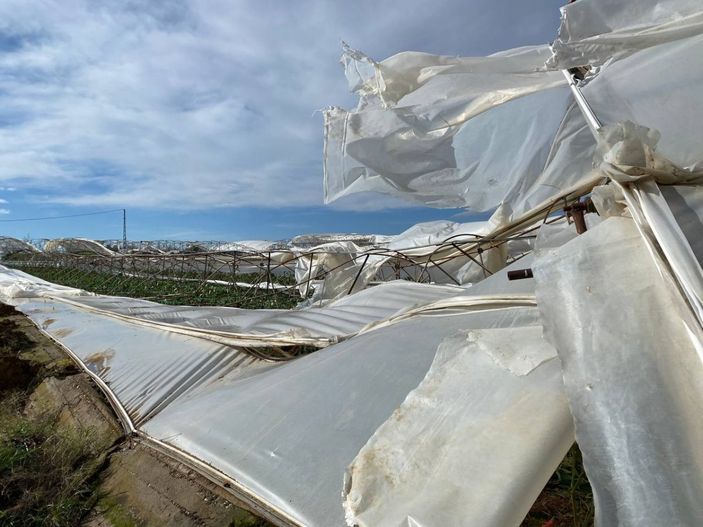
631, 355
145, 368
474, 444
596, 31
289, 433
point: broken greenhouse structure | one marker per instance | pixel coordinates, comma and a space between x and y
452, 404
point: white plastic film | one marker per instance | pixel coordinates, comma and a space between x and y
596, 31
473, 444
633, 368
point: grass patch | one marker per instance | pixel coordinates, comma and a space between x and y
46, 474
567, 499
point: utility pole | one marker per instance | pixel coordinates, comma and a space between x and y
124, 230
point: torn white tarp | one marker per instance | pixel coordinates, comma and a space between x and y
339, 265
435, 130
442, 138
596, 31
347, 268
435, 461
633, 367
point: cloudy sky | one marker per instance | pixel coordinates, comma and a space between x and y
201, 117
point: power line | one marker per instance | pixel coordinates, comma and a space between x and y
66, 216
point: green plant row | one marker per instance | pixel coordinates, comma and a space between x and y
166, 291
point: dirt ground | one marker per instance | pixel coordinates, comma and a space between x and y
65, 461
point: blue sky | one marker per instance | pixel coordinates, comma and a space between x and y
201, 117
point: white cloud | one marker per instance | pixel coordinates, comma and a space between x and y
4, 211
199, 104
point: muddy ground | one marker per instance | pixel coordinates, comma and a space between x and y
64, 459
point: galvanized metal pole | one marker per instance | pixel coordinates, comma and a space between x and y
591, 119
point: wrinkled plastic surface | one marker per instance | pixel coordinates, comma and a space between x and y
633, 368
286, 432
596, 31
289, 433
435, 130
392, 149
487, 426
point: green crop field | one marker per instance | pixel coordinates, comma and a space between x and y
174, 291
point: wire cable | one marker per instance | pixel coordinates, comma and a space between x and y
65, 216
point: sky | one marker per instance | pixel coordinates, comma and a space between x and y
202, 117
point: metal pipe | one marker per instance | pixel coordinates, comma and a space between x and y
593, 123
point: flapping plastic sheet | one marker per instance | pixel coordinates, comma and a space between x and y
351, 268
631, 354
388, 145
437, 132
597, 31
474, 444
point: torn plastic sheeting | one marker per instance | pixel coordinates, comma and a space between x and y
339, 260
473, 444
631, 356
593, 32
374, 148
288, 433
631, 160
350, 268
462, 165
665, 98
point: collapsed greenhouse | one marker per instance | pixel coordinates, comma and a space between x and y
443, 390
